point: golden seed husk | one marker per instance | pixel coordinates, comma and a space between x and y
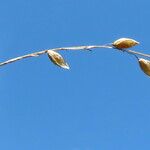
145, 66
124, 43
57, 59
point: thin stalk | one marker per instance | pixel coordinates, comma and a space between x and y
35, 54
54, 49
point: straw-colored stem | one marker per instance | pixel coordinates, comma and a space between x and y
68, 48
137, 53
54, 49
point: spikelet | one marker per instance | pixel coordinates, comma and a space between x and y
57, 59
124, 43
145, 66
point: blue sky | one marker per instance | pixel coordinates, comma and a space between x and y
101, 103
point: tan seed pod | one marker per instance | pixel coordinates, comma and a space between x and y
124, 43
145, 66
57, 59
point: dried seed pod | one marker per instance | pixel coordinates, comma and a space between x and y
145, 66
124, 43
57, 59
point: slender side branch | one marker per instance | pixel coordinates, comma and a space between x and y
137, 53
54, 49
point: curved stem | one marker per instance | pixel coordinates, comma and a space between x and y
70, 48
54, 49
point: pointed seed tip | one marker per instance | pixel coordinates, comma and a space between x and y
66, 66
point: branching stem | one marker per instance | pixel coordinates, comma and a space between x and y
68, 48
